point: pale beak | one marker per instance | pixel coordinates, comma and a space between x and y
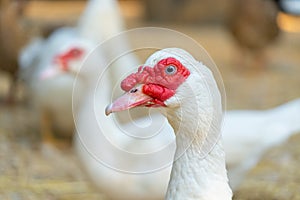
135, 97
50, 73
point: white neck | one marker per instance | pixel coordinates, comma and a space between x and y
194, 176
100, 20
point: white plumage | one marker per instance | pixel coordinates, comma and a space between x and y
55, 95
249, 133
102, 143
195, 113
52, 97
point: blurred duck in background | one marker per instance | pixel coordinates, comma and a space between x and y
50, 91
253, 25
248, 134
17, 28
43, 70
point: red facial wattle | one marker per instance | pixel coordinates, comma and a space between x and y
151, 86
159, 82
61, 63
65, 58
158, 93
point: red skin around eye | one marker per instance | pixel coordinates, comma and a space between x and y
157, 75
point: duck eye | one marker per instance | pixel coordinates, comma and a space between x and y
171, 69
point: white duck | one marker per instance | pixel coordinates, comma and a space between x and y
40, 60
173, 79
44, 90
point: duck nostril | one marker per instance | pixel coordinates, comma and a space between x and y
133, 90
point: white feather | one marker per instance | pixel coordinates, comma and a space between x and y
248, 134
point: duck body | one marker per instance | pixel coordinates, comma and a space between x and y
248, 134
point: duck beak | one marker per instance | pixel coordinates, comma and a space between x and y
49, 73
135, 97
52, 70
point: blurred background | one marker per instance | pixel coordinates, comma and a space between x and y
254, 43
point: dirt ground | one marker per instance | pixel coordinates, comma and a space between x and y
276, 176
29, 171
